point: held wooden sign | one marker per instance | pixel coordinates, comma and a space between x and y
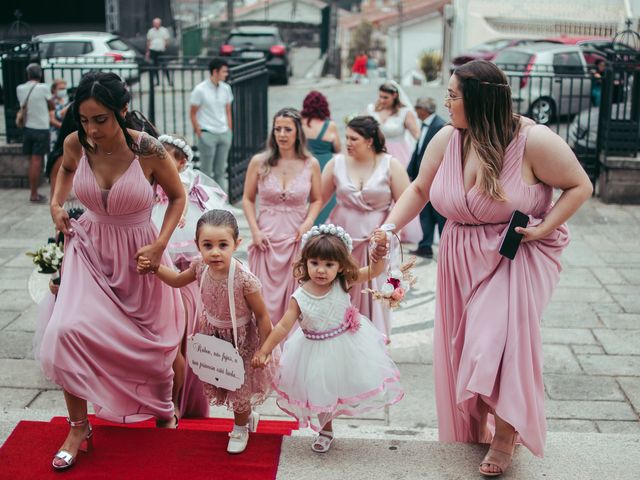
215, 361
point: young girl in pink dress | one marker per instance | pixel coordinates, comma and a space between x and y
217, 238
203, 194
336, 363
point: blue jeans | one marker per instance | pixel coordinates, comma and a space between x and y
214, 153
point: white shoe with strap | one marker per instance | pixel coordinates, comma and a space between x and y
239, 436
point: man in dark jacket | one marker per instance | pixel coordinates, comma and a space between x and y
429, 218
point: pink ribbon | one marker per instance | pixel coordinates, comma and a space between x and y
198, 195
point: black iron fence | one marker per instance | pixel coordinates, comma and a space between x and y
162, 93
567, 99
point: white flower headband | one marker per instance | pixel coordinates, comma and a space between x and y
329, 229
181, 144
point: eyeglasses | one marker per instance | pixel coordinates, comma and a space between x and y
448, 99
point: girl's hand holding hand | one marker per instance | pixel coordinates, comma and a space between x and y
260, 241
379, 238
153, 253
144, 265
61, 219
260, 359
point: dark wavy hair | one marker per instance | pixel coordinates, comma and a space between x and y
327, 247
109, 90
492, 124
134, 120
368, 127
273, 152
315, 105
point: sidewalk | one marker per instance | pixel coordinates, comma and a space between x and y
591, 335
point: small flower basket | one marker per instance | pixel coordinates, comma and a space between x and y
399, 282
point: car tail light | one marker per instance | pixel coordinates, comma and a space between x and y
226, 49
116, 56
278, 50
527, 72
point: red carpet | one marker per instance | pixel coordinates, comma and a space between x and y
197, 450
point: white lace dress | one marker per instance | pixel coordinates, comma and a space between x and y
328, 369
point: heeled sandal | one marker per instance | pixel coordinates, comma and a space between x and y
85, 446
159, 425
323, 441
498, 458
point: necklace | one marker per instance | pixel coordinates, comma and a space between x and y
363, 174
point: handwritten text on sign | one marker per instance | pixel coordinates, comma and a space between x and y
215, 361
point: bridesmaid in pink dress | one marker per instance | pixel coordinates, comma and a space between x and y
400, 127
366, 182
487, 346
113, 334
285, 180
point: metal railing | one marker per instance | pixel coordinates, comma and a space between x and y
162, 93
563, 98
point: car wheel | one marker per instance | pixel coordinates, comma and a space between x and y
543, 111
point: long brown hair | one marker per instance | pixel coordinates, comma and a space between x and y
368, 127
327, 247
273, 152
491, 123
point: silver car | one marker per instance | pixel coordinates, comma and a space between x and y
548, 80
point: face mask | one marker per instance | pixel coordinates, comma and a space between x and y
62, 93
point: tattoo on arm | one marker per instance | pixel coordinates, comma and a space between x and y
151, 147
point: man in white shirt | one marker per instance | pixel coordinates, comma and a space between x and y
429, 217
35, 141
157, 41
212, 122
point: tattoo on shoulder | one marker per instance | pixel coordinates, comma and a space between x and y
150, 146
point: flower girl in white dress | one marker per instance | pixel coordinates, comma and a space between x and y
337, 362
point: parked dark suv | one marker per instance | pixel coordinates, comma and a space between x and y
248, 43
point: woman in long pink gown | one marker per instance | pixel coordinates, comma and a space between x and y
487, 346
400, 127
285, 181
366, 182
113, 334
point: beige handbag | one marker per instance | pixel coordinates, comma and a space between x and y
21, 116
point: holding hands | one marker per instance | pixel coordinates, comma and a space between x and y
143, 265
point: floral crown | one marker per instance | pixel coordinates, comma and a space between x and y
328, 229
178, 143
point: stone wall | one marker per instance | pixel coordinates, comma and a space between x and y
13, 166
619, 180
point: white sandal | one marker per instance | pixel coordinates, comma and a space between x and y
323, 441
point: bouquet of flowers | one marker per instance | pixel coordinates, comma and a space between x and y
399, 282
48, 258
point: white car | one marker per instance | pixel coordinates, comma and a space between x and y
70, 55
547, 80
